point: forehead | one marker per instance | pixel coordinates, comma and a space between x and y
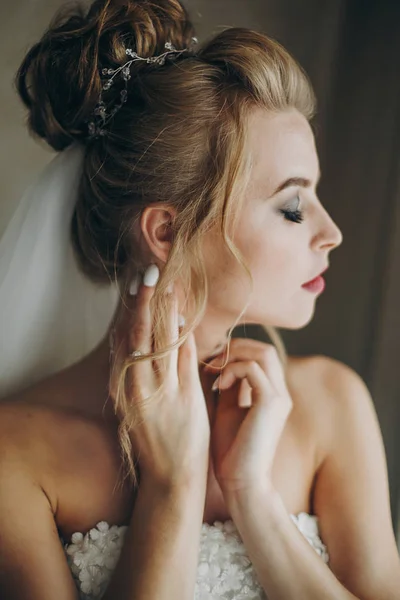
281, 145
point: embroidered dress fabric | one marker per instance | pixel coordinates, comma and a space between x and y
224, 569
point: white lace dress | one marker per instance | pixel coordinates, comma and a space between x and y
224, 569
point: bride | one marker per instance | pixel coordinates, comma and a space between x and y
170, 460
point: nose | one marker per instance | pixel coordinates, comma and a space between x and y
329, 235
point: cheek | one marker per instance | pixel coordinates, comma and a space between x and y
276, 263
272, 255
266, 254
227, 280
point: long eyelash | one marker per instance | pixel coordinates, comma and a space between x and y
296, 216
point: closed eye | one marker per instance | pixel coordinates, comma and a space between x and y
294, 215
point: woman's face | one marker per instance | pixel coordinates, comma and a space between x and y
282, 254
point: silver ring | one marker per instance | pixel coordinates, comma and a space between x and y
136, 353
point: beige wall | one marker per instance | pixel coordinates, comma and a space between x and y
22, 21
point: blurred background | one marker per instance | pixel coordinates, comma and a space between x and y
350, 49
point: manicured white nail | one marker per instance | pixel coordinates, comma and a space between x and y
170, 288
134, 286
151, 276
181, 320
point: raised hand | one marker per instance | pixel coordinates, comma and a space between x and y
252, 409
171, 443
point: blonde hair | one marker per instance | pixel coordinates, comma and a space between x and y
179, 139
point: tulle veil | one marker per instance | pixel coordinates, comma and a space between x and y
50, 314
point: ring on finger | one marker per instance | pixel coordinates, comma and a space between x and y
136, 353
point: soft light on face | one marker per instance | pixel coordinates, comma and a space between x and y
282, 254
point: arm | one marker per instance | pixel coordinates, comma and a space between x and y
33, 565
287, 567
351, 501
158, 560
352, 491
160, 553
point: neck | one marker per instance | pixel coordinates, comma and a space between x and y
209, 342
94, 369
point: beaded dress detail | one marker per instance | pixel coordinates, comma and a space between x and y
224, 569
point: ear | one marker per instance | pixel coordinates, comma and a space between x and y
156, 228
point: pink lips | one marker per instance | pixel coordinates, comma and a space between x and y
316, 285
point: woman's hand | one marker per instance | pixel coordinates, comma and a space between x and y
252, 408
172, 437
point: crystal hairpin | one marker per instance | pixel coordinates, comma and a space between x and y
96, 127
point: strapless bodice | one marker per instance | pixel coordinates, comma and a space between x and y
224, 569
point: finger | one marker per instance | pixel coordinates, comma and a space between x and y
244, 398
265, 354
172, 333
239, 349
140, 334
251, 370
187, 363
262, 391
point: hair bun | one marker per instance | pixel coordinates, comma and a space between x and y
59, 79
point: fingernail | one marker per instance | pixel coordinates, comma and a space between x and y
181, 320
151, 276
134, 286
215, 384
170, 288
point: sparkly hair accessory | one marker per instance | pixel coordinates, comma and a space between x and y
96, 127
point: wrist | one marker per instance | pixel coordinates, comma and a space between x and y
179, 486
250, 493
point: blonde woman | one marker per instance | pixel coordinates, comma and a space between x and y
171, 461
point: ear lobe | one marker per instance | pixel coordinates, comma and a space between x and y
156, 227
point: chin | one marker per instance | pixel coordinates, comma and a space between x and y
301, 323
293, 318
295, 321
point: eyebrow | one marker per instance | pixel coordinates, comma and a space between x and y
292, 181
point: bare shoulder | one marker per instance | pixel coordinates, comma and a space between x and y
32, 558
29, 425
306, 377
73, 457
57, 410
319, 373
319, 362
325, 389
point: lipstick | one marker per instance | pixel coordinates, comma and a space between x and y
315, 286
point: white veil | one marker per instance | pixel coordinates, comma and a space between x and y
50, 314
